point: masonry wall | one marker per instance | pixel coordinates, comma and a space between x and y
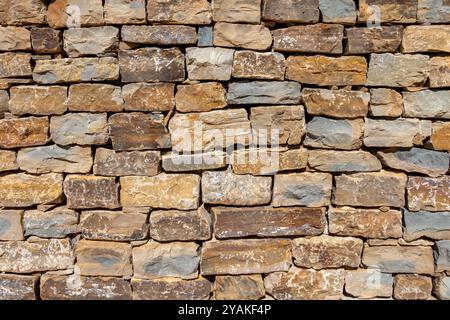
224, 149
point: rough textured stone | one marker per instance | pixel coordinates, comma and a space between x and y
373, 40
157, 260
151, 65
95, 98
327, 252
246, 287
60, 13
398, 70
15, 38
440, 137
90, 41
160, 35
195, 12
174, 162
434, 225
371, 189
432, 194
24, 190
11, 225
343, 161
15, 65
336, 103
396, 133
125, 11
327, 71
137, 131
200, 97
427, 104
412, 287
433, 11
46, 40
306, 284
56, 223
4, 101
101, 258
429, 162
443, 256
440, 71
441, 287
245, 256
426, 39
329, 133
302, 189
18, 287
8, 161
268, 222
368, 284
286, 11
258, 65
86, 192
149, 96
205, 37
316, 38
168, 191
247, 36
264, 92
79, 128
338, 11
209, 63
171, 289
396, 259
389, 11
22, 13
365, 223
23, 132
221, 187
39, 255
38, 100
113, 226
385, 103
76, 70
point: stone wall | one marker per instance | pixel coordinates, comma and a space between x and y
224, 149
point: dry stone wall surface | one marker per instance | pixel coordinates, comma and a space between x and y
224, 149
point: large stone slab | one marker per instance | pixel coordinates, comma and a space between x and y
11, 225
246, 36
245, 287
23, 132
160, 35
248, 11
343, 161
264, 92
200, 97
373, 40
56, 223
125, 11
15, 65
412, 287
338, 11
368, 284
291, 11
258, 65
427, 104
196, 12
385, 103
426, 39
431, 194
14, 39
209, 63
95, 98
434, 225
390, 11
91, 41
61, 13
38, 100
171, 289
149, 96
18, 287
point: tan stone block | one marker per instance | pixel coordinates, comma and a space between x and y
245, 287
246, 36
200, 97
95, 98
412, 287
431, 194
196, 12
11, 225
171, 289
149, 96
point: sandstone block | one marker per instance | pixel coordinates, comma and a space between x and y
343, 161
38, 100
15, 39
22, 13
60, 13
432, 11
258, 65
95, 98
246, 36
443, 256
287, 11
427, 104
56, 223
439, 72
373, 40
340, 11
368, 284
8, 161
441, 287
18, 287
125, 11
264, 92
171, 289
160, 35
245, 287
432, 194
237, 11
90, 41
385, 103
201, 97
390, 11
196, 12
433, 225
174, 162
15, 65
46, 40
149, 96
426, 39
11, 225
23, 132
209, 63
440, 137
4, 102
412, 287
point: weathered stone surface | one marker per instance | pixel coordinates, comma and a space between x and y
151, 65
373, 40
158, 260
137, 131
8, 161
434, 225
440, 137
267, 222
338, 11
330, 133
79, 128
426, 39
385, 103
315, 38
247, 36
371, 189
237, 10
390, 11
149, 96
365, 223
18, 287
336, 103
15, 65
412, 287
23, 132
4, 101
113, 225
95, 98
176, 225
56, 223
398, 70
38, 100
306, 284
195, 12
167, 191
171, 289
443, 256
46, 40
160, 35
325, 252
245, 287
11, 225
205, 37
343, 161
245, 256
221, 187
368, 284
207, 131
22, 13
53, 158
24, 190
396, 133
174, 162
15, 38
396, 259
440, 71
302, 189
427, 104
91, 41
441, 287
327, 71
76, 70
39, 255
86, 192
433, 11
286, 11
429, 162
200, 97
432, 194
258, 65
125, 11
264, 92
60, 13
76, 287
209, 63
101, 258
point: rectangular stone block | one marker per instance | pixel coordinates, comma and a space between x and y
373, 40
22, 13
338, 11
427, 104
258, 65
196, 12
263, 92
248, 11
433, 11
385, 103
56, 223
38, 100
291, 11
23, 132
440, 136
412, 287
439, 72
11, 225
174, 162
124, 11
443, 256
200, 97
389, 11
209, 63
15, 65
15, 39
60, 13
160, 35
171, 289
8, 161
95, 98
426, 39
90, 41
431, 194
18, 287
343, 161
246, 36
46, 40
433, 225
368, 284
243, 287
149, 96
